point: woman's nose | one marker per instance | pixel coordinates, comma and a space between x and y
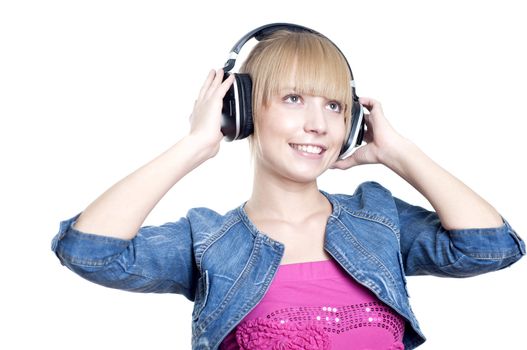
315, 118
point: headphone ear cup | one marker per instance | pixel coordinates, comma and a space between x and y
245, 98
229, 116
355, 131
237, 113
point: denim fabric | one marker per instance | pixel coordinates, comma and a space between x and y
225, 265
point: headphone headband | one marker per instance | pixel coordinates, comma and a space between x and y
268, 29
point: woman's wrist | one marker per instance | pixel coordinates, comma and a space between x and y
203, 148
398, 153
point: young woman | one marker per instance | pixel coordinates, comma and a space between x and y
293, 267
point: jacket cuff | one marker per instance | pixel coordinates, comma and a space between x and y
74, 247
488, 243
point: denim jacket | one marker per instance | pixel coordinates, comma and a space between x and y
225, 265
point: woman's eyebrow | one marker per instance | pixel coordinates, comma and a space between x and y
288, 89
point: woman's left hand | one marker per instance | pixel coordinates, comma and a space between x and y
382, 141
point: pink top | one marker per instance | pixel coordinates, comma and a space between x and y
317, 305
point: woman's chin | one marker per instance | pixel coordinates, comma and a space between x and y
305, 174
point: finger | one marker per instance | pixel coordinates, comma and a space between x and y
344, 163
225, 86
218, 78
367, 102
206, 85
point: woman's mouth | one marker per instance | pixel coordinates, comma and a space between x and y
307, 148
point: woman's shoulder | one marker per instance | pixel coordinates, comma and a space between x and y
369, 198
366, 191
207, 217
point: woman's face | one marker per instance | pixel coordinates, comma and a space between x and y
300, 135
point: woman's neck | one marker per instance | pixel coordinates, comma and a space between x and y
282, 199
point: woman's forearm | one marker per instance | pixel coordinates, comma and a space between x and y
121, 210
456, 204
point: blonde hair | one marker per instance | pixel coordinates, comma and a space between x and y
319, 69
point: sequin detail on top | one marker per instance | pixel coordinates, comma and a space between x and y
338, 319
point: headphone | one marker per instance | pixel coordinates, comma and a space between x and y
237, 116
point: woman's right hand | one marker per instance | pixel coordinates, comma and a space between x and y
205, 120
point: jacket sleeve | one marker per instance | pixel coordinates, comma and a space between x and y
159, 259
429, 249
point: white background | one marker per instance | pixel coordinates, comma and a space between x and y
91, 90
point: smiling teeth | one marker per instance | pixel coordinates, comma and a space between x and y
308, 149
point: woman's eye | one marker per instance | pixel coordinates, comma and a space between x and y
292, 98
335, 106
